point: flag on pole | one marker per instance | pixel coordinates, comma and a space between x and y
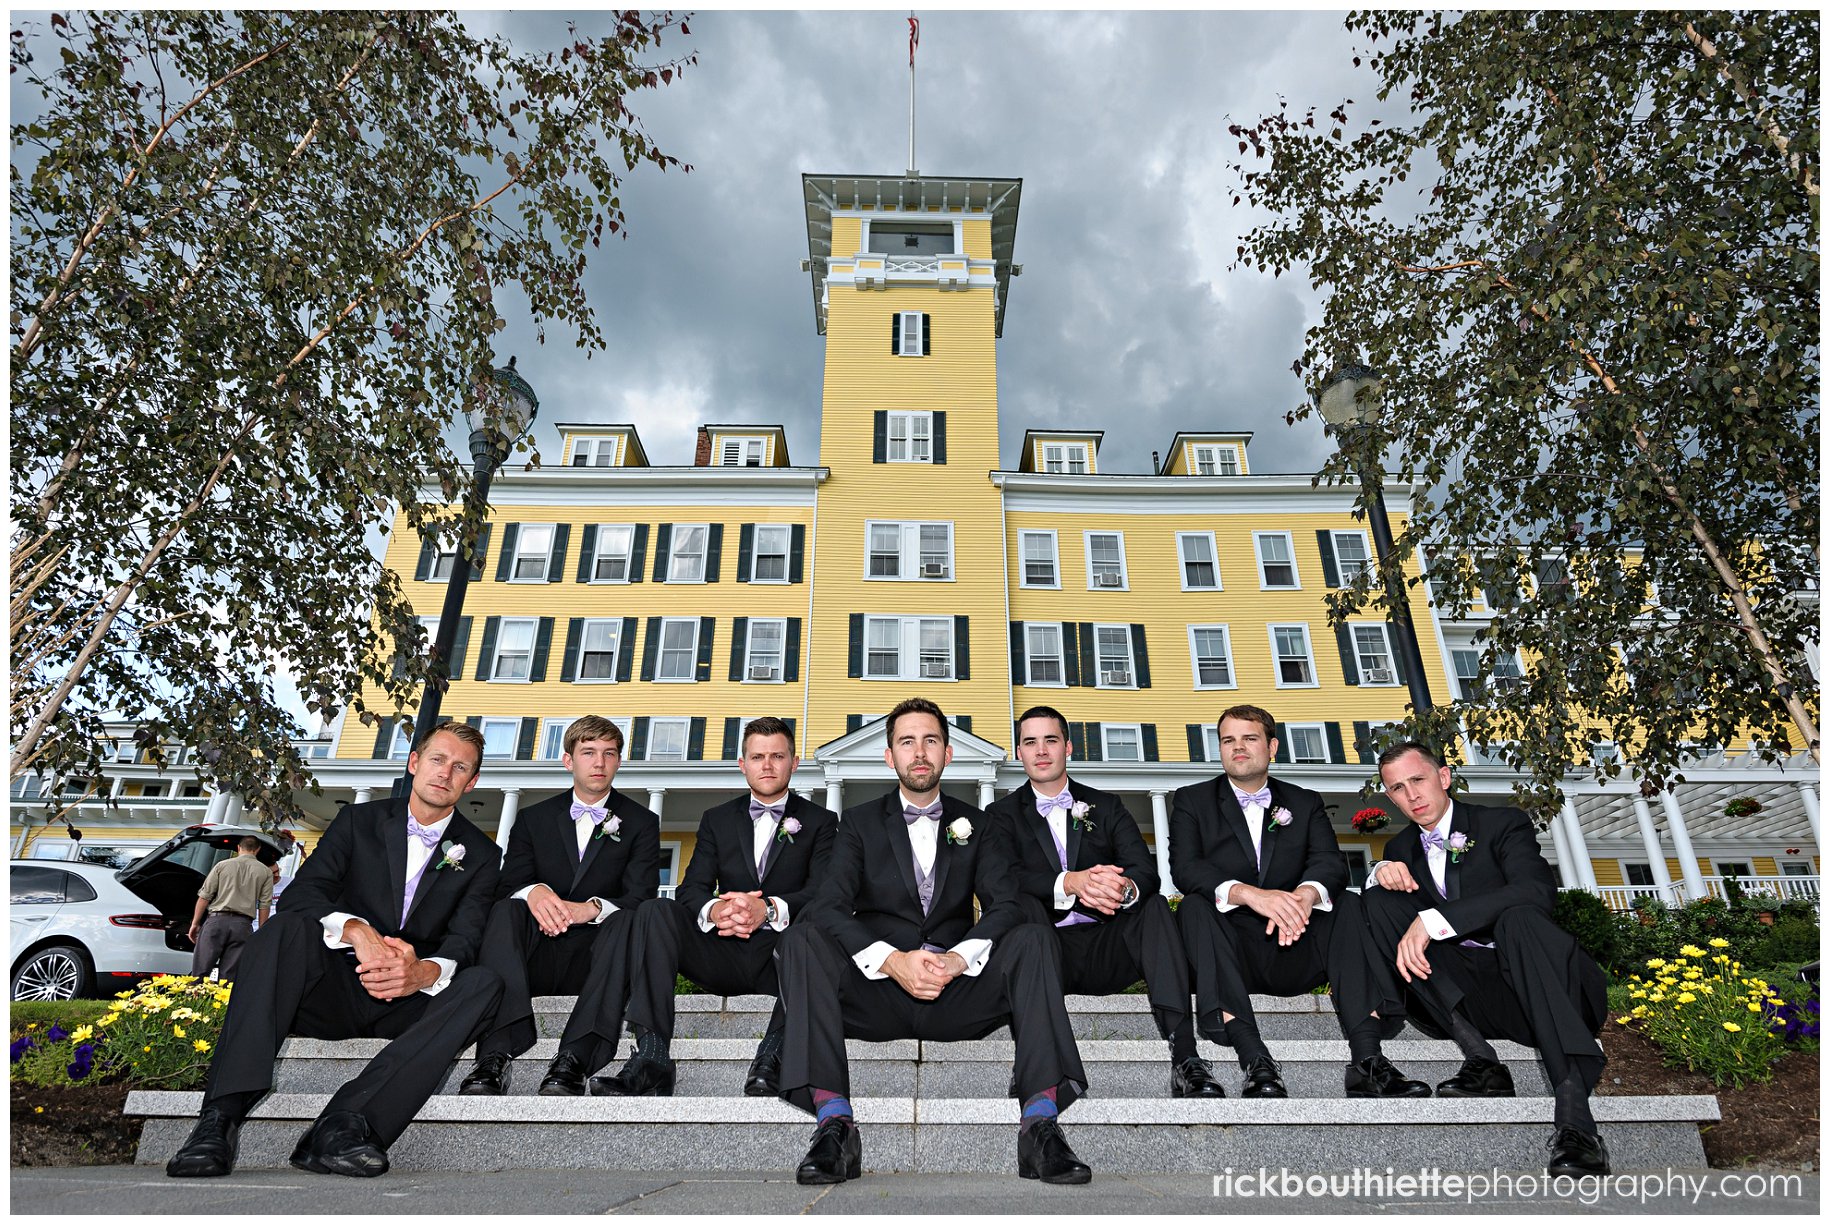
914, 38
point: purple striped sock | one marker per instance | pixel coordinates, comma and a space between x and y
829, 1105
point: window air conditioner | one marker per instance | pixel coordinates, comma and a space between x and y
1106, 578
1115, 678
1378, 676
936, 667
934, 569
762, 672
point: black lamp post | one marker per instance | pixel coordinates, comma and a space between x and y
489, 445
1349, 403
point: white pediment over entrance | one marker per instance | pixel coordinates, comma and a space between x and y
865, 747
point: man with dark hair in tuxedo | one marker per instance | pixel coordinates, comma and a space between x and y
1266, 908
751, 875
578, 865
1083, 868
371, 940
893, 951
1460, 906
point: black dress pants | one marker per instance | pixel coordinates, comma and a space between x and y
531, 963
1105, 958
597, 1018
667, 941
290, 983
827, 999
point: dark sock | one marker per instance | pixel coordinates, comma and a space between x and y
235, 1105
1041, 1106
1243, 1035
828, 1105
1469, 1039
1182, 1043
1572, 1107
1363, 1040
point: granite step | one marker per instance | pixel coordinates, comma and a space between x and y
967, 1134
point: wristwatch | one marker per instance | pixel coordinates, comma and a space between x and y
1130, 891
597, 902
770, 911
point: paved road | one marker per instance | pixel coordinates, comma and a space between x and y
142, 1191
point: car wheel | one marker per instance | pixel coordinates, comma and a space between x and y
54, 972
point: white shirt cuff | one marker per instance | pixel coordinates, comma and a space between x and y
333, 929
1062, 900
520, 895
872, 958
1327, 903
975, 952
1220, 896
1436, 925
705, 915
446, 968
781, 914
606, 908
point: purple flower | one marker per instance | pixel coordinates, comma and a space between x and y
56, 1033
1458, 842
84, 1063
790, 827
1280, 817
21, 1046
609, 829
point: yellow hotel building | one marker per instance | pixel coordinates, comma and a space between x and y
683, 598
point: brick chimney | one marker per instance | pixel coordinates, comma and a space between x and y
702, 452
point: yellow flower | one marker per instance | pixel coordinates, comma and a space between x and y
177, 1031
1686, 998
1692, 975
1655, 963
1753, 1008
200, 1045
147, 1049
38, 1110
108, 1018
1638, 995
32, 1025
1731, 1027
1706, 989
82, 1033
118, 1006
1691, 950
1718, 943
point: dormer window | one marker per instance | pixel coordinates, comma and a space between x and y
741, 453
1216, 460
1070, 457
911, 237
594, 453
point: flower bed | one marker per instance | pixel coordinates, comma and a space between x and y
1704, 1014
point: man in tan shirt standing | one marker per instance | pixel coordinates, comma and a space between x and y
231, 893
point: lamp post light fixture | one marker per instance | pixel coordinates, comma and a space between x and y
489, 446
1349, 404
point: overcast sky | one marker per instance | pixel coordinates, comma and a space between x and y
1126, 317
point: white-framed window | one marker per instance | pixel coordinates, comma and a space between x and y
763, 648
499, 736
1041, 567
533, 553
1638, 874
442, 563
1122, 741
908, 648
667, 739
1042, 651
1351, 556
1308, 742
741, 452
610, 552
552, 745
1106, 561
1372, 648
1112, 657
1068, 457
1796, 869
1210, 741
594, 452
686, 553
1506, 673
910, 439
670, 865
1200, 561
1276, 561
769, 553
1210, 653
598, 644
1291, 656
909, 336
679, 653
1359, 864
514, 649
908, 550
403, 743
1216, 459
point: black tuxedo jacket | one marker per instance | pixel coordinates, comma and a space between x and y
1113, 838
543, 849
1209, 843
1502, 869
359, 867
868, 892
722, 856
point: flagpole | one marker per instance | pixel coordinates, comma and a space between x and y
914, 39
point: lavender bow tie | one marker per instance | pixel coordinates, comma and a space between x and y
771, 811
1262, 797
1059, 802
912, 814
428, 837
597, 815
1434, 840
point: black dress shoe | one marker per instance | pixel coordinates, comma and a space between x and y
1478, 1078
836, 1154
1262, 1079
341, 1143
565, 1077
489, 1078
1193, 1078
1043, 1152
642, 1076
1576, 1153
210, 1151
1376, 1077
765, 1076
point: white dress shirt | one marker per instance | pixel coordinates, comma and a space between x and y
1254, 823
1057, 819
583, 828
762, 833
1438, 927
417, 855
924, 837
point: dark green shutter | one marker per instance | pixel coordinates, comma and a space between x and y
1095, 749
638, 554
963, 722
1337, 752
543, 646
791, 650
740, 631
1070, 653
895, 333
625, 650
880, 435
651, 648
733, 729
962, 649
1077, 739
695, 739
797, 547
1282, 735
486, 658
1019, 665
940, 437
506, 562
384, 737
1398, 669
428, 553
556, 560
1350, 663
638, 739
1331, 572
927, 334
663, 538
575, 633
1363, 741
790, 723
714, 551
458, 645
1150, 749
746, 547
1089, 663
530, 733
854, 661
853, 723
475, 721
703, 670
1197, 742
1140, 657
587, 553
480, 554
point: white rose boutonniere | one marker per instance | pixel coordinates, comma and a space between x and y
1079, 814
454, 857
959, 831
1280, 817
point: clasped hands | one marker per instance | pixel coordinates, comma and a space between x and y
1286, 913
554, 914
387, 966
923, 974
1101, 887
739, 914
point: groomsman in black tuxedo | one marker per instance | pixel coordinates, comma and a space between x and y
1460, 906
1083, 868
1266, 908
371, 940
578, 865
751, 874
893, 951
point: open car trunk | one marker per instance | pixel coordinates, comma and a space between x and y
168, 877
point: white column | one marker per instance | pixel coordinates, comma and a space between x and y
988, 792
1808, 794
1585, 867
219, 804
364, 794
1159, 829
232, 813
835, 795
25, 831
655, 796
1655, 850
120, 784
511, 804
1567, 875
1694, 888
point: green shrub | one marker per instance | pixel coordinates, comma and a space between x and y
163, 1033
1587, 917
1790, 940
45, 1013
1704, 1013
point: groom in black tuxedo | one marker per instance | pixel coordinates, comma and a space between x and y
752, 873
1460, 906
578, 865
1266, 908
894, 951
370, 941
1083, 869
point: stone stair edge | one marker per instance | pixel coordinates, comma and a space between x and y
1089, 1004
